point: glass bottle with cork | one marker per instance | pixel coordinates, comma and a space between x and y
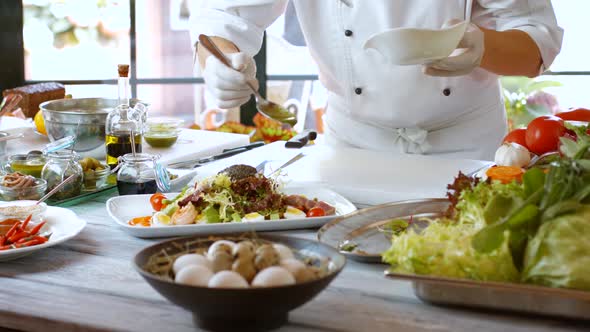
121, 123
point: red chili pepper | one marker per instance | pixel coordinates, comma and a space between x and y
5, 247
40, 239
26, 239
2, 240
18, 236
28, 243
26, 222
36, 229
12, 229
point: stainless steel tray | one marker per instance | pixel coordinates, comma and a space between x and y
558, 302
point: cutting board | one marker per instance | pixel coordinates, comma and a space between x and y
193, 144
364, 177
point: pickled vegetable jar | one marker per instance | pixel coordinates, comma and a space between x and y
61, 165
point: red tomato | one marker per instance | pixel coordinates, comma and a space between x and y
156, 200
576, 114
543, 133
316, 212
517, 136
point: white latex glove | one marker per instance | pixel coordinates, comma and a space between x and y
228, 85
470, 48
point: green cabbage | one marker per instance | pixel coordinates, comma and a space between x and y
559, 254
445, 250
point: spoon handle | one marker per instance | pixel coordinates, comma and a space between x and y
468, 10
210, 46
57, 188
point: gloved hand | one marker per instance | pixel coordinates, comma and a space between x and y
472, 45
228, 85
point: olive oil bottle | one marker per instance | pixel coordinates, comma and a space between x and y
119, 144
121, 123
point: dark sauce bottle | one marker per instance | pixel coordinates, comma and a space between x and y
137, 188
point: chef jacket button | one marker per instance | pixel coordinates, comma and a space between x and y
447, 92
358, 91
348, 33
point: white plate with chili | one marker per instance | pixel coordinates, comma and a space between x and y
125, 208
59, 225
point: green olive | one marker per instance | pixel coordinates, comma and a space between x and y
84, 164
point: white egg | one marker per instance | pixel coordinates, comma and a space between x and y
254, 216
227, 279
201, 219
292, 265
194, 275
294, 213
191, 260
220, 243
283, 250
272, 277
160, 219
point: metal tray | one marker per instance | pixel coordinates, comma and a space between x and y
363, 229
558, 302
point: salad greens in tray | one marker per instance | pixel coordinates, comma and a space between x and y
536, 230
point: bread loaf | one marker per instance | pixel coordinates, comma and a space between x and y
35, 94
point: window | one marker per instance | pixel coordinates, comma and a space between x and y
572, 68
80, 43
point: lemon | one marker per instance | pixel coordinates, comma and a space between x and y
40, 123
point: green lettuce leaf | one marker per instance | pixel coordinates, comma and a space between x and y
558, 255
444, 249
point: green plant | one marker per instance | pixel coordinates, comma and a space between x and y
525, 99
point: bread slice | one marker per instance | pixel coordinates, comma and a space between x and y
35, 94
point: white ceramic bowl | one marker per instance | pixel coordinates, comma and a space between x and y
411, 46
37, 211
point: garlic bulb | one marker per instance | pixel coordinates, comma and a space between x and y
512, 154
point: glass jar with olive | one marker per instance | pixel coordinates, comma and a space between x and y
95, 173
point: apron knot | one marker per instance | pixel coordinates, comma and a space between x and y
412, 140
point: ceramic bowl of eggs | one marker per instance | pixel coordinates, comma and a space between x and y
236, 280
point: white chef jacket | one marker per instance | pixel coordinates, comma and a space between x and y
373, 104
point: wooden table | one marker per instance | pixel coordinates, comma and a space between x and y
88, 284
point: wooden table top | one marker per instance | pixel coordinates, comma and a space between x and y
89, 284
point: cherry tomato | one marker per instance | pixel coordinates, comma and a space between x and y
517, 136
157, 201
543, 133
316, 212
576, 114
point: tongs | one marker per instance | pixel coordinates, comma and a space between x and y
225, 154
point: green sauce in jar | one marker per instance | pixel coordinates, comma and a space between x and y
164, 140
27, 165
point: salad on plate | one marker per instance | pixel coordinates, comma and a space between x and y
238, 193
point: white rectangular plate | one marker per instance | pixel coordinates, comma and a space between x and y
124, 208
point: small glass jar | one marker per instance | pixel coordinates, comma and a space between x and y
30, 164
141, 174
162, 132
61, 165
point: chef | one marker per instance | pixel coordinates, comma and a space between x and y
451, 107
